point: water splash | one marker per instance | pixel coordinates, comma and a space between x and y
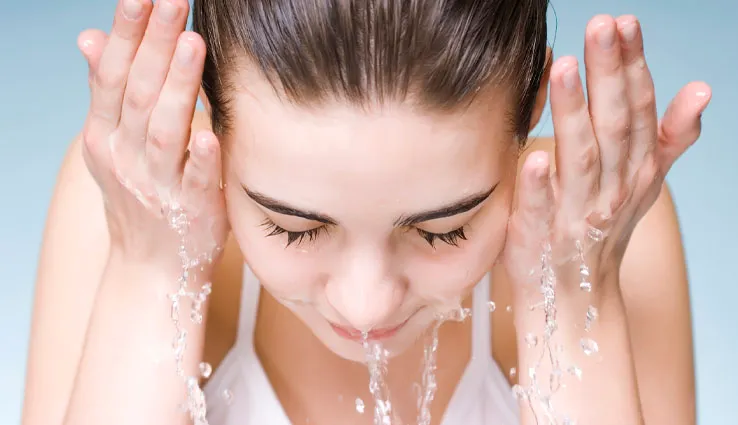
377, 365
492, 306
538, 395
430, 353
359, 405
195, 403
376, 360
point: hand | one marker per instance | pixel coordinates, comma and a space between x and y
144, 81
612, 154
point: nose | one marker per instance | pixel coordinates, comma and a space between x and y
364, 292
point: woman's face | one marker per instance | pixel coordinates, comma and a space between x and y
370, 222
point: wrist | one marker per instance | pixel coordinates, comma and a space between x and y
156, 271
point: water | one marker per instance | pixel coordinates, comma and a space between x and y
205, 370
376, 357
538, 395
428, 383
195, 404
377, 366
359, 405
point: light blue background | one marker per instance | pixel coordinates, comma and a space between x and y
44, 100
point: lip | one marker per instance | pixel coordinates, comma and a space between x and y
373, 335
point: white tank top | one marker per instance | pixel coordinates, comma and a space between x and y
239, 392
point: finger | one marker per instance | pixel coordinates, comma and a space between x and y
608, 105
681, 124
641, 97
201, 176
91, 44
535, 195
530, 224
171, 119
149, 69
114, 64
577, 152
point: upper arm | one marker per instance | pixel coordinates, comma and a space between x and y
656, 295
71, 262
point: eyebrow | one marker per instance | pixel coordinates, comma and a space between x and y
283, 208
452, 209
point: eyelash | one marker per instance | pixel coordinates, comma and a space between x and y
292, 237
451, 238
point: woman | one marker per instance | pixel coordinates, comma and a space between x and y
373, 172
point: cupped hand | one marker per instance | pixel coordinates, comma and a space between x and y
160, 183
612, 153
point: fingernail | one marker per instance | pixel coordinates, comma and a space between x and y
168, 11
184, 52
204, 146
606, 36
630, 31
85, 46
571, 78
132, 9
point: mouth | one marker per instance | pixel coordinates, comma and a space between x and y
373, 335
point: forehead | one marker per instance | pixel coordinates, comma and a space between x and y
389, 153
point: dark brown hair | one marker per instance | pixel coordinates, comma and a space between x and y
436, 53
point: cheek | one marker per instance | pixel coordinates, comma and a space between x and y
451, 273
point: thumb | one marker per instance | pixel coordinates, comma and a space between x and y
91, 43
682, 123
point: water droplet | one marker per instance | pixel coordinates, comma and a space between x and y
585, 286
592, 315
359, 405
595, 234
519, 392
492, 306
584, 270
531, 340
196, 317
513, 372
205, 370
457, 315
227, 396
175, 310
576, 371
191, 382
508, 309
589, 346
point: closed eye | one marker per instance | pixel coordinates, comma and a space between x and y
292, 237
451, 238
